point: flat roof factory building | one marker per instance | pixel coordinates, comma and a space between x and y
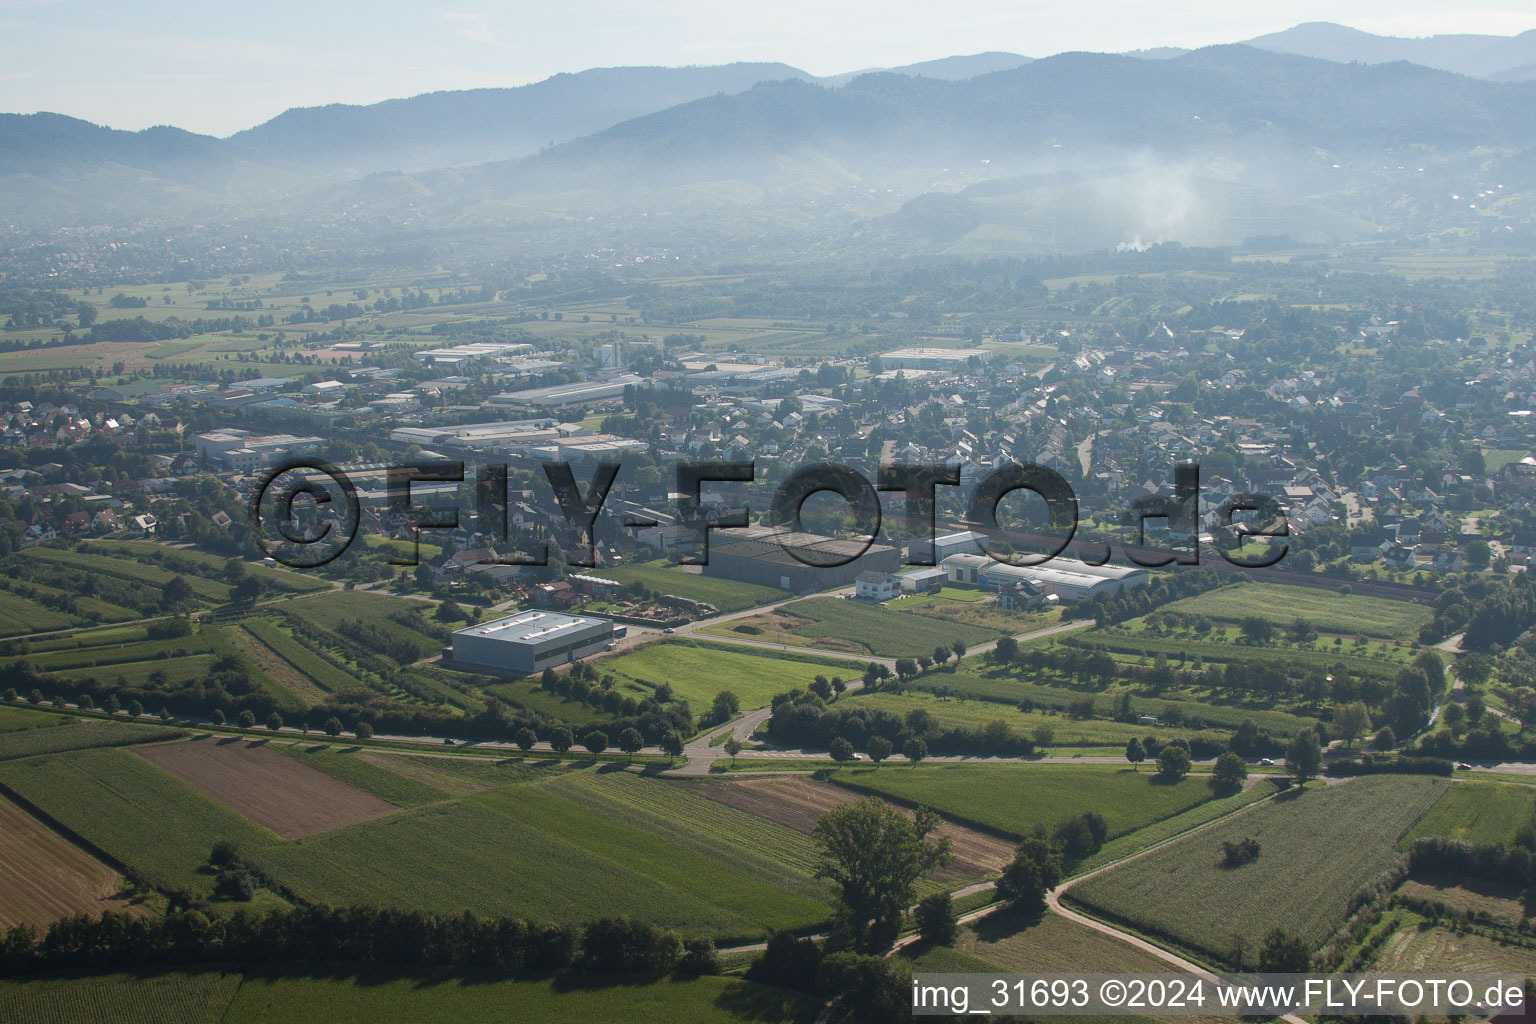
528, 642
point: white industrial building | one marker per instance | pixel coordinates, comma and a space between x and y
528, 642
1067, 578
580, 393
952, 359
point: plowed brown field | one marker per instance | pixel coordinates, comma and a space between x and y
44, 876
288, 797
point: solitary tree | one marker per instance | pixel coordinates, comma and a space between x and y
959, 648
841, 750
1172, 762
1305, 755
1230, 771
1033, 872
247, 719
936, 919
1007, 650
878, 748
363, 730
875, 854
333, 727
595, 741
914, 749
672, 744
1351, 721
1135, 753
274, 721
525, 738
732, 748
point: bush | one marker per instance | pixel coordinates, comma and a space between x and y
787, 962
620, 945
699, 958
1235, 855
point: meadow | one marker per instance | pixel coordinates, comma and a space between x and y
1325, 611
1482, 813
1014, 798
697, 672
1318, 848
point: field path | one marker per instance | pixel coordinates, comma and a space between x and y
1053, 903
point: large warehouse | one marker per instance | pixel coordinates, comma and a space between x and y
756, 555
528, 642
1067, 578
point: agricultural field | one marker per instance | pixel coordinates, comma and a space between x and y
663, 577
280, 793
455, 855
127, 568
75, 734
372, 773
1160, 831
1327, 612
959, 712
317, 671
697, 672
1001, 687
122, 805
1441, 950
44, 876
1318, 848
1483, 813
190, 561
1499, 902
796, 803
395, 1000
1014, 798
14, 719
855, 628
200, 997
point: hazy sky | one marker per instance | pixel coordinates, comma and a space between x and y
218, 67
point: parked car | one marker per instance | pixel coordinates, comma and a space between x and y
1462, 766
1267, 762
668, 631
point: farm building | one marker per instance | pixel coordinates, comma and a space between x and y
1066, 578
757, 555
528, 642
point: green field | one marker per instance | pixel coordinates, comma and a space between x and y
856, 628
211, 997
16, 718
666, 578
20, 615
305, 661
63, 734
1483, 813
1317, 849
973, 714
1014, 798
394, 787
128, 569
138, 814
492, 852
1325, 611
1160, 831
697, 673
